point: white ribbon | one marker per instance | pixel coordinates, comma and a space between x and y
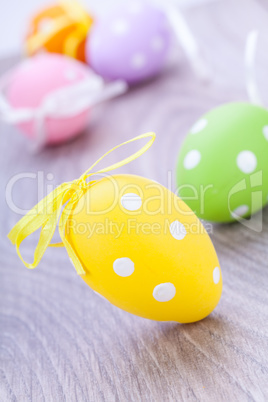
185, 36
250, 55
7, 113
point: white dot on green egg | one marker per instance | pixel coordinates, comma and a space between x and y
246, 161
164, 292
265, 132
216, 275
131, 201
138, 61
192, 159
120, 27
240, 211
199, 126
177, 229
123, 266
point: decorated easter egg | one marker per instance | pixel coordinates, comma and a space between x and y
61, 28
222, 170
144, 250
131, 43
133, 241
37, 85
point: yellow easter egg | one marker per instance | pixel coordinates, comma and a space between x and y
144, 250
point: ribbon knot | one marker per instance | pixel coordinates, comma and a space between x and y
58, 206
82, 184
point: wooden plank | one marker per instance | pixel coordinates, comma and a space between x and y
59, 341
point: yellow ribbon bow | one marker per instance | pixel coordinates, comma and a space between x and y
72, 14
47, 212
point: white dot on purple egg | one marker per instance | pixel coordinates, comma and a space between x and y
138, 61
120, 27
157, 43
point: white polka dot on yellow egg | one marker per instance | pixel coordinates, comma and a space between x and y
216, 275
177, 230
131, 201
164, 292
123, 266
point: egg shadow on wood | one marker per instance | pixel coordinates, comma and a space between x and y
243, 234
174, 345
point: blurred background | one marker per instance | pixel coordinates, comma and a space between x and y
14, 15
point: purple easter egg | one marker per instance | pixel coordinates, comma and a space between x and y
130, 44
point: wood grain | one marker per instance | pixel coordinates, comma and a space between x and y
61, 342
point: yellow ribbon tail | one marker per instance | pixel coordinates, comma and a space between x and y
71, 252
58, 206
39, 39
60, 244
44, 215
72, 42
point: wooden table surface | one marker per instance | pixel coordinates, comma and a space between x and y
58, 340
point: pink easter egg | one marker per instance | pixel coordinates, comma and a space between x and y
131, 43
37, 78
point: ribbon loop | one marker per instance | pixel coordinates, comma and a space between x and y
124, 161
58, 206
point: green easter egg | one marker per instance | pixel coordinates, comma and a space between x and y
222, 170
